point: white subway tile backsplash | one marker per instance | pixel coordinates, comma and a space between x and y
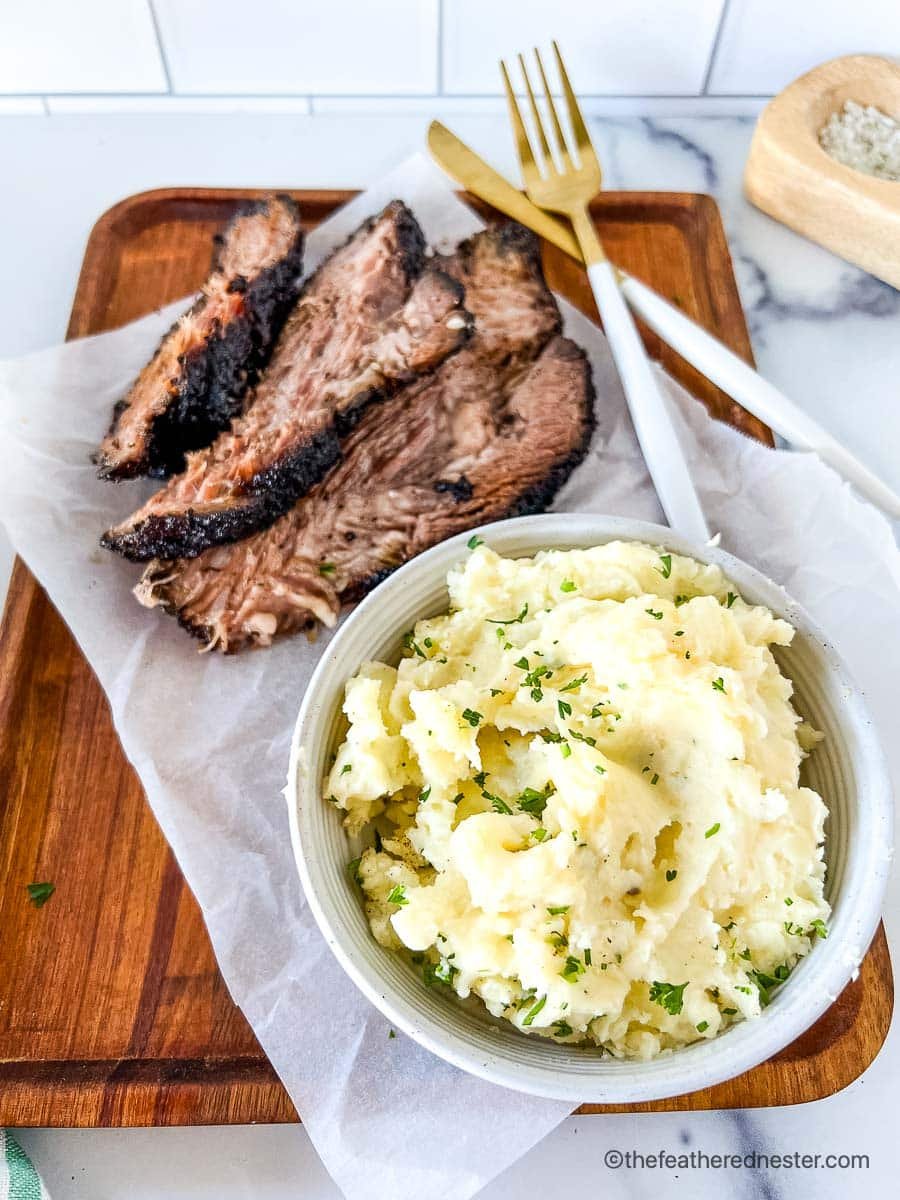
417, 57
765, 44
641, 47
291, 46
79, 46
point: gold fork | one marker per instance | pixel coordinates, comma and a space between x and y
563, 185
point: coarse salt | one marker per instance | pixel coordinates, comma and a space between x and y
865, 139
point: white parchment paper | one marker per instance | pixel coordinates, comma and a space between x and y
209, 736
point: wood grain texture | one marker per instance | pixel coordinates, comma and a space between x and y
112, 1009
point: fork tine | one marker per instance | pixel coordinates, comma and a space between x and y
586, 151
557, 128
549, 164
530, 172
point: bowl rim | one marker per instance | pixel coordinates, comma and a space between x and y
699, 1065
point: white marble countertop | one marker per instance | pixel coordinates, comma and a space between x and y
825, 332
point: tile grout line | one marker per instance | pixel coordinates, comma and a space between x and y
378, 96
164, 59
714, 49
440, 47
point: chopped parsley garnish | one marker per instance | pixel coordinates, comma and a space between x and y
353, 870
534, 1010
474, 718
523, 613
442, 973
657, 616
410, 644
564, 708
498, 804
587, 957
559, 910
533, 681
669, 996
719, 684
580, 737
679, 600
397, 895
702, 1026
474, 542
788, 901
481, 778
666, 569
550, 735
713, 830
765, 982
654, 779
730, 599
40, 893
391, 1033
424, 794
679, 633
534, 802
327, 568
729, 1012
817, 929
670, 875
600, 770
427, 643
567, 586
565, 750
574, 684
346, 768
496, 691
573, 969
539, 834
562, 1029
522, 664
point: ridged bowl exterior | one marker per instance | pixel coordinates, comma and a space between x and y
848, 769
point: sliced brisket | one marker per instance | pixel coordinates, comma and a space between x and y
195, 383
493, 432
373, 317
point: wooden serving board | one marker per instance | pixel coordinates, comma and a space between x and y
112, 1009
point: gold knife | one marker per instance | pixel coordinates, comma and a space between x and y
465, 166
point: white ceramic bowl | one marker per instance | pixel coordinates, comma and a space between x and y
848, 769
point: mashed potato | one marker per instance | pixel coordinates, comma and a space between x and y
584, 784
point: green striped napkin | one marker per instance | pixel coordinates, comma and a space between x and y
18, 1178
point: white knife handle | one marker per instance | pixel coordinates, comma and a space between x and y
757, 395
647, 405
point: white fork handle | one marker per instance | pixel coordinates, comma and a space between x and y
659, 442
757, 395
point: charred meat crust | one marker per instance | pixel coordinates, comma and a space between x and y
218, 374
212, 376
494, 432
276, 485
411, 243
187, 534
